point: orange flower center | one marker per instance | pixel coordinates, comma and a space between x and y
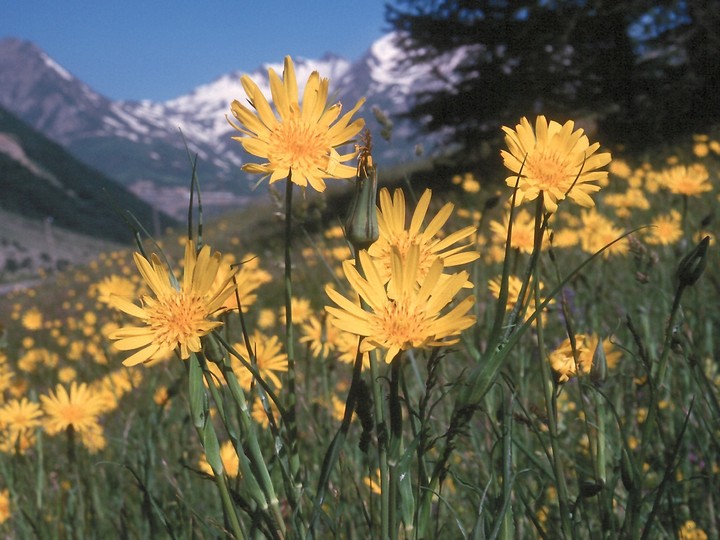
547, 170
299, 145
177, 317
401, 323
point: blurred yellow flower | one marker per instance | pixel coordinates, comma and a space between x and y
566, 364
78, 409
690, 531
690, 181
597, 231
301, 310
555, 160
229, 458
266, 318
268, 358
248, 277
5, 513
666, 229
320, 336
115, 286
177, 317
373, 482
18, 420
32, 319
523, 231
514, 288
300, 144
408, 315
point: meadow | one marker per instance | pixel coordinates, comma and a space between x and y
529, 356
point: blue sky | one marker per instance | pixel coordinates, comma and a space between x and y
160, 49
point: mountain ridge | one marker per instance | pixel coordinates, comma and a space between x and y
143, 143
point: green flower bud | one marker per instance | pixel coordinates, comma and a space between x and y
693, 264
362, 224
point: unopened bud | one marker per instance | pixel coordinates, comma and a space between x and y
212, 349
362, 224
598, 373
693, 264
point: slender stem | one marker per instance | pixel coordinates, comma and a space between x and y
289, 347
395, 443
551, 408
382, 436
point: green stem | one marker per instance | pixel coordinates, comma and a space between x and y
291, 408
395, 444
659, 375
382, 437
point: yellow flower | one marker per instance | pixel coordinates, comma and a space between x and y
266, 318
78, 409
268, 357
347, 345
32, 319
407, 316
301, 143
178, 316
4, 506
690, 531
260, 415
320, 336
597, 231
514, 288
395, 238
18, 420
161, 396
620, 168
555, 160
567, 365
523, 232
229, 458
690, 181
666, 229
301, 310
115, 286
248, 277
373, 482
6, 377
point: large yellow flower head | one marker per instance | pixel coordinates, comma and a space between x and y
178, 315
395, 237
555, 160
407, 315
300, 141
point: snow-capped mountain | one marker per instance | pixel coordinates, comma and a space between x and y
140, 144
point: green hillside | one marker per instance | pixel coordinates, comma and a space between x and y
39, 179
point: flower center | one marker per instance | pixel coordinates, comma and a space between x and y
547, 169
177, 317
403, 242
73, 414
297, 144
402, 324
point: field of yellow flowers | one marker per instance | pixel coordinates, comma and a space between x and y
524, 357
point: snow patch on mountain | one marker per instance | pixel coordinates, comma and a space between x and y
52, 64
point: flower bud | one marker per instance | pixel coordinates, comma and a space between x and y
362, 224
693, 264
